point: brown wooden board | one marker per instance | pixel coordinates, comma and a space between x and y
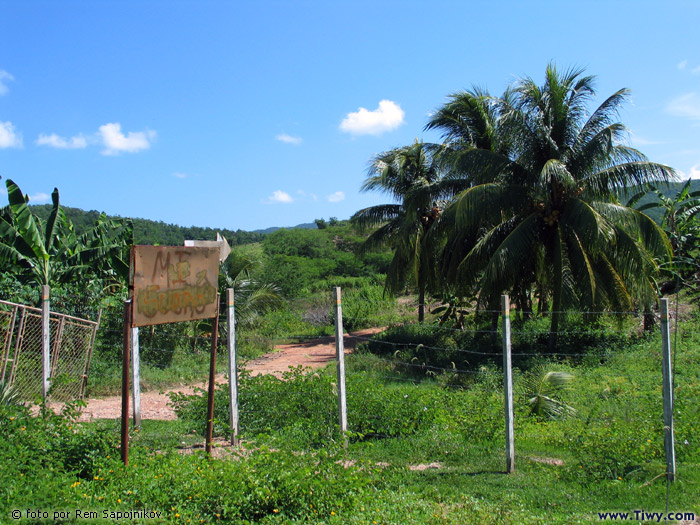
174, 283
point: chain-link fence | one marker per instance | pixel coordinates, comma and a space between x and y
72, 341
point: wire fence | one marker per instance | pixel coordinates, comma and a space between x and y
71, 340
409, 378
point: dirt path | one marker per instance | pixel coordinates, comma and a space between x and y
315, 354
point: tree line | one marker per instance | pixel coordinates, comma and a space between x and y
529, 193
524, 196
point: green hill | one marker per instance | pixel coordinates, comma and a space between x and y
155, 232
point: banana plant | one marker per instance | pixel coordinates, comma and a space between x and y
49, 252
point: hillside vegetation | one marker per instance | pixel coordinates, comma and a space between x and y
531, 194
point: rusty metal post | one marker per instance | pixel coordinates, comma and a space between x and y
126, 351
212, 378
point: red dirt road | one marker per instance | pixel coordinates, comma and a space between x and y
315, 354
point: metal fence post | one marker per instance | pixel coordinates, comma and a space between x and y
232, 367
126, 350
212, 380
9, 331
136, 375
508, 385
45, 340
666, 371
340, 356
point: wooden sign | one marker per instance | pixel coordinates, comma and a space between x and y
174, 283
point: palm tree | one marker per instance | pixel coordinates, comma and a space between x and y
252, 297
405, 174
539, 177
541, 388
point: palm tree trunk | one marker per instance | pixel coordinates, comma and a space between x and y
556, 317
421, 302
557, 292
541, 302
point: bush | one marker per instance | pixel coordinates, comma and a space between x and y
366, 306
52, 442
430, 349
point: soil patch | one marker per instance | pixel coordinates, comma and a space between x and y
315, 353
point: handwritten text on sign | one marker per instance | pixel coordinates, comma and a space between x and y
172, 284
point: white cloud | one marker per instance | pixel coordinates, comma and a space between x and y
288, 139
681, 65
687, 105
39, 198
694, 172
180, 175
388, 116
9, 137
336, 197
4, 75
277, 197
116, 142
56, 141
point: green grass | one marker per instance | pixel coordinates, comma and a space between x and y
294, 468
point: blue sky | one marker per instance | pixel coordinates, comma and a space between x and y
256, 114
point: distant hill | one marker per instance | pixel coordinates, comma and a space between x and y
158, 232
305, 226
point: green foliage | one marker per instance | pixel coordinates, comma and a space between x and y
301, 261
404, 174
49, 252
9, 395
300, 409
153, 232
540, 387
50, 442
417, 452
430, 349
680, 220
366, 306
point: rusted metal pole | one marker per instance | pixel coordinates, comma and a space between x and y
126, 351
212, 378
